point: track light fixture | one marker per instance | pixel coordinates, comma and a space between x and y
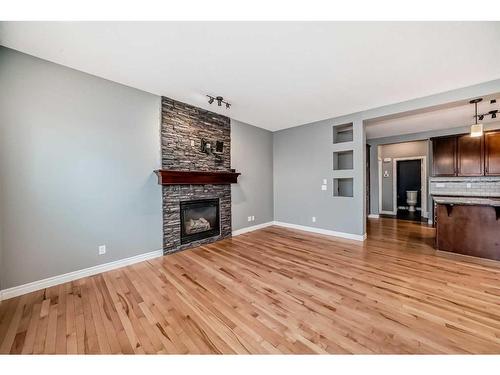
481, 116
219, 100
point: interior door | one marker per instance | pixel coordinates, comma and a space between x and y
409, 177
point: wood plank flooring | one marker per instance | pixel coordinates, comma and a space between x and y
273, 291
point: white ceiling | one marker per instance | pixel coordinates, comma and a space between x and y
276, 74
450, 116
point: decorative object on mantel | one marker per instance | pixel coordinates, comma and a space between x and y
219, 100
208, 147
169, 177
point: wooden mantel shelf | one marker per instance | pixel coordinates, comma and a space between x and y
169, 177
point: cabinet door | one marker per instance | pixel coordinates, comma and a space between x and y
492, 153
470, 155
444, 156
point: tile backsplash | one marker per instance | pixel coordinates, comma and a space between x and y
465, 186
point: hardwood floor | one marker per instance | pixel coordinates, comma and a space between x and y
275, 290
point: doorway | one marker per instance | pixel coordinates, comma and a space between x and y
408, 189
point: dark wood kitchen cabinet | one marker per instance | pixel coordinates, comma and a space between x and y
470, 156
492, 153
444, 152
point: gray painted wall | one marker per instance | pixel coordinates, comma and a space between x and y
397, 150
252, 156
303, 157
77, 155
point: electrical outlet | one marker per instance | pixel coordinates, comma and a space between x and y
249, 218
102, 249
253, 218
323, 187
314, 219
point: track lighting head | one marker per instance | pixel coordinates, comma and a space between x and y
493, 113
481, 117
219, 100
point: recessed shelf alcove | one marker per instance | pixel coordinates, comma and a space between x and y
343, 160
343, 187
342, 133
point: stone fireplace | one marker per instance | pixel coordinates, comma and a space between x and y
196, 186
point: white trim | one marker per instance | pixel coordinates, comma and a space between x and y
423, 182
252, 228
387, 213
380, 211
373, 216
350, 236
64, 278
429, 221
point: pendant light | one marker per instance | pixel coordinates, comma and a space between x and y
476, 130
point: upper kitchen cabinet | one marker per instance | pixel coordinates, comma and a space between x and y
492, 153
470, 156
444, 152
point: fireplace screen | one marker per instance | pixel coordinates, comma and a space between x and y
199, 219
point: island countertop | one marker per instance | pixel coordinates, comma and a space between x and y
471, 201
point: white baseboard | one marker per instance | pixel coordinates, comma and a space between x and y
252, 228
373, 216
387, 212
56, 280
349, 236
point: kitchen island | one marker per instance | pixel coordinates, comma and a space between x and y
467, 225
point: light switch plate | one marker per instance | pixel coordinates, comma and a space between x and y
102, 249
325, 181
440, 185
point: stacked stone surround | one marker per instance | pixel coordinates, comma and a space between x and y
182, 124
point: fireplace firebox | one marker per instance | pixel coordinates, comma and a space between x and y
199, 219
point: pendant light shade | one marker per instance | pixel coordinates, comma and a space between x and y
476, 130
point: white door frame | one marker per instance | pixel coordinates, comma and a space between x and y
423, 183
380, 177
